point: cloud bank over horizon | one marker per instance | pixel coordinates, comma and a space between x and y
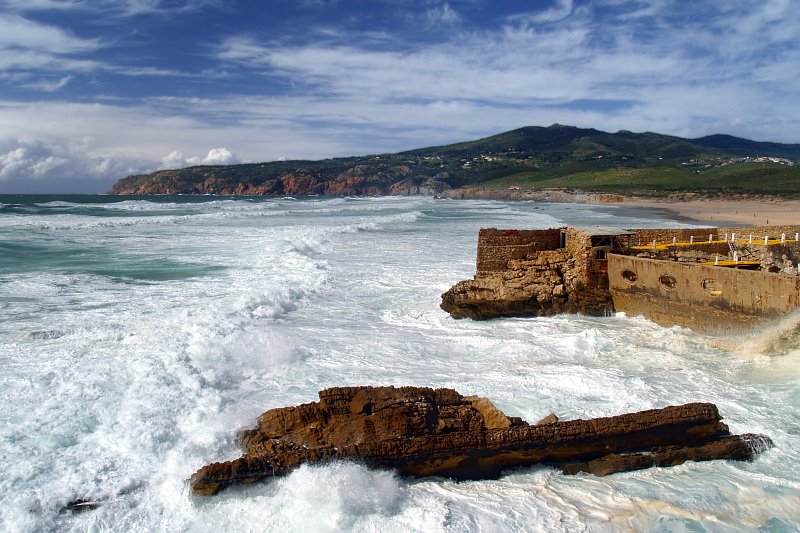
91, 92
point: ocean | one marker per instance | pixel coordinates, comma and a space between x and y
138, 335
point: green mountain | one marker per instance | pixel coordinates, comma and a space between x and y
744, 147
531, 157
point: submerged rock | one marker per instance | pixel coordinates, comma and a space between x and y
80, 505
423, 431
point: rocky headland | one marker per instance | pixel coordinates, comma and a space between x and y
423, 432
271, 180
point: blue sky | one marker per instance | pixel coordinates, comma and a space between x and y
94, 90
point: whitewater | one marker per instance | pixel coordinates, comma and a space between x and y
137, 336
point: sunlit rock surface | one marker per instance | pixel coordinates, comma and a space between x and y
424, 432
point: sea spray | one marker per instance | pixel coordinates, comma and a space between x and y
776, 338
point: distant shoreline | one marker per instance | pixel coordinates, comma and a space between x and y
715, 211
722, 210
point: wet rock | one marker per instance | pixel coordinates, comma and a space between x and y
46, 335
549, 419
422, 431
80, 505
739, 447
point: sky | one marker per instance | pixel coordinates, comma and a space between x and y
94, 90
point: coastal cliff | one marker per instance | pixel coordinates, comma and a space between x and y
265, 180
425, 432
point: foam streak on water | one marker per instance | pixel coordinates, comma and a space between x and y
138, 335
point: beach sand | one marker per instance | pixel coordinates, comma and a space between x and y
715, 212
762, 211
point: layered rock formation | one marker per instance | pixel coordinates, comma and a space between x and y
424, 431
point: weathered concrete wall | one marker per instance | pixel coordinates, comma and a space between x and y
496, 246
700, 297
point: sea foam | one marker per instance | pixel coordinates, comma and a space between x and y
118, 385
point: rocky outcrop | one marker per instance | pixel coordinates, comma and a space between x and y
424, 432
267, 180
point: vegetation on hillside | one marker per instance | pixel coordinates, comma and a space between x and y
532, 157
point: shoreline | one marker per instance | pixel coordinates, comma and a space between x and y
717, 211
722, 210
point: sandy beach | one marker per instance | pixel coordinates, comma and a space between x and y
762, 211
721, 211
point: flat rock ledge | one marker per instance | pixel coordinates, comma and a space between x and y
424, 432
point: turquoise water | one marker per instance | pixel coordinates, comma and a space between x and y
137, 335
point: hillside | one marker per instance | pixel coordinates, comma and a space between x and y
531, 157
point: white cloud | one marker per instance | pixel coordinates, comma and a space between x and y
175, 159
615, 62
12, 161
219, 156
443, 15
561, 10
32, 161
48, 85
40, 50
216, 156
18, 33
682, 68
513, 67
38, 166
111, 7
34, 52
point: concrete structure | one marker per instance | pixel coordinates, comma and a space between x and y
708, 279
708, 298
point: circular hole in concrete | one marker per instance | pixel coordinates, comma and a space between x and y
629, 276
668, 281
711, 287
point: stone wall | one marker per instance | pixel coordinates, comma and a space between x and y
778, 258
586, 280
774, 232
696, 253
496, 247
665, 235
528, 273
704, 298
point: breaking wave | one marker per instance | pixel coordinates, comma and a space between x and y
775, 338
